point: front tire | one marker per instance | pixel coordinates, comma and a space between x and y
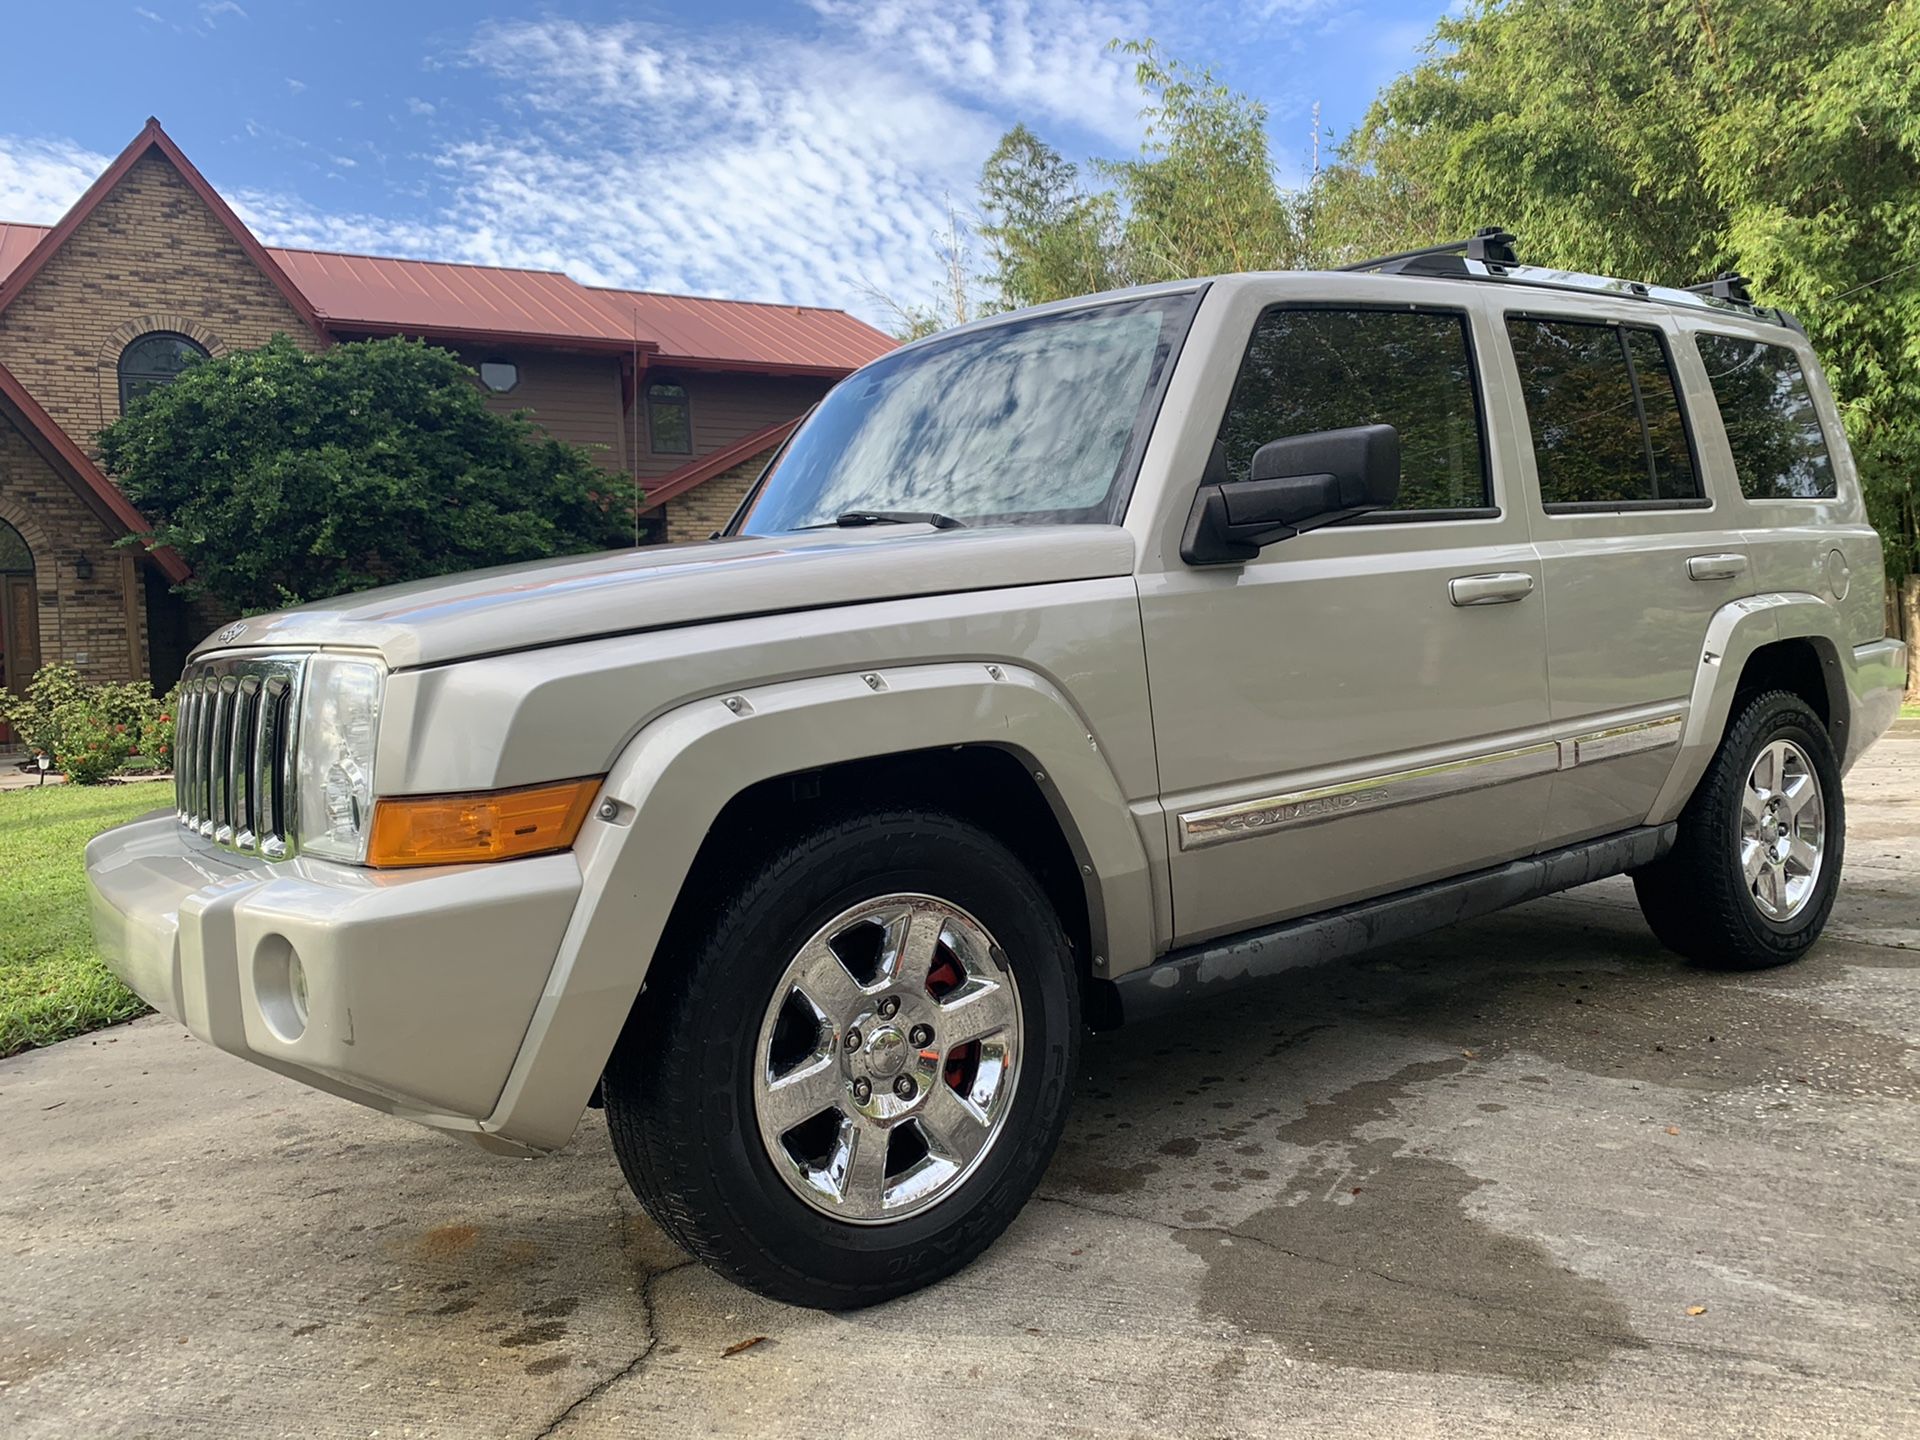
847, 1076
1754, 871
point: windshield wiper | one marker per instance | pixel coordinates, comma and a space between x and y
855, 518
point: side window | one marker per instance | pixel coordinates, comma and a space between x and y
1779, 451
669, 419
1604, 414
1315, 368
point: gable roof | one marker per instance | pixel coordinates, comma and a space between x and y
99, 492
676, 483
153, 138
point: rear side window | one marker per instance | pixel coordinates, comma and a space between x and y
1779, 450
1312, 368
1605, 416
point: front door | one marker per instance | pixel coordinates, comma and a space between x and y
1361, 708
19, 639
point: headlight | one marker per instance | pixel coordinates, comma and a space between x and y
338, 728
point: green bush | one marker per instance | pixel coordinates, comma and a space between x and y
91, 731
92, 748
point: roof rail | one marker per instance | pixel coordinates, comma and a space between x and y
1490, 245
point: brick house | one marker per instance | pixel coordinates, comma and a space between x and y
680, 396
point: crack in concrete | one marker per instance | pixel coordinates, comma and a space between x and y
649, 1314
632, 1367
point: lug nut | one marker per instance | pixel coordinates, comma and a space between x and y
889, 1007
903, 1087
853, 1037
920, 1036
862, 1091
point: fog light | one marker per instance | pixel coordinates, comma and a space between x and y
280, 988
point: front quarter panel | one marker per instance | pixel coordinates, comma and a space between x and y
671, 782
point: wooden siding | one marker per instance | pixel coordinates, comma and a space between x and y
575, 398
725, 408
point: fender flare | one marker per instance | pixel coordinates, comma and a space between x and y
676, 775
1736, 631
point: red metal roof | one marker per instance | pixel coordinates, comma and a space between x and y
433, 297
350, 294
16, 241
751, 334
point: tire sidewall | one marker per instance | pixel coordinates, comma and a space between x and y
786, 908
1785, 717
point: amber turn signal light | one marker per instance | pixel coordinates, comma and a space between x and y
490, 825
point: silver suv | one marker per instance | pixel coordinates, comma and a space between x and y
1063, 668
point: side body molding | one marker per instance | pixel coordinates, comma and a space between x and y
677, 774
1735, 632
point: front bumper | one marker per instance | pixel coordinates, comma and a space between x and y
418, 985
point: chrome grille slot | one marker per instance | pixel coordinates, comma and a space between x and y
234, 752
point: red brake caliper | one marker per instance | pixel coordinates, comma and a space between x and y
945, 976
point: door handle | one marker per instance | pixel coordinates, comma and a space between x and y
1716, 567
1500, 588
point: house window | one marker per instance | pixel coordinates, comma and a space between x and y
499, 376
669, 420
153, 361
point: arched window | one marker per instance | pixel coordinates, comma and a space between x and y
669, 419
19, 617
154, 360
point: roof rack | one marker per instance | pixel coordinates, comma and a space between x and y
1729, 285
1489, 254
1489, 245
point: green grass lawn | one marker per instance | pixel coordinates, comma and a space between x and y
52, 985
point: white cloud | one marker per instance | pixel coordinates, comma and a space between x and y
212, 11
40, 179
417, 106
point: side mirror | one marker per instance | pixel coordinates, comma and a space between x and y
1296, 484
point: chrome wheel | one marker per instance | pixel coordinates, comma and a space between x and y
887, 1059
1783, 829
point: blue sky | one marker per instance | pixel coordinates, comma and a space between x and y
798, 150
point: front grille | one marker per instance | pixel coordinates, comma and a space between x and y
233, 751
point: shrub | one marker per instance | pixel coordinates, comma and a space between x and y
92, 748
91, 730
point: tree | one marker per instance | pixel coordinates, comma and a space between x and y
1669, 140
1201, 199
1047, 238
281, 475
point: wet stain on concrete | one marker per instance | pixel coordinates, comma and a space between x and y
544, 1333
1077, 1167
1183, 1145
1372, 1260
553, 1309
549, 1364
455, 1307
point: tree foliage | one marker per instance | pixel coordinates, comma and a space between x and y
282, 475
1667, 141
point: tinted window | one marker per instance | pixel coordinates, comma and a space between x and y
1604, 413
1779, 451
1317, 369
153, 361
1030, 421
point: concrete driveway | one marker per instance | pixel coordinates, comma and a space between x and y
1528, 1176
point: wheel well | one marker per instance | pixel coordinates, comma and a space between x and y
1805, 667
982, 784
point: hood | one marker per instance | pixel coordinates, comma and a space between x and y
549, 602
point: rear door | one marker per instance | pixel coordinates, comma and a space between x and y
1362, 707
1640, 549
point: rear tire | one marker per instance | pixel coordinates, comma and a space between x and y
1754, 870
742, 1104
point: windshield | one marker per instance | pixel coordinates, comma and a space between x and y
1034, 421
